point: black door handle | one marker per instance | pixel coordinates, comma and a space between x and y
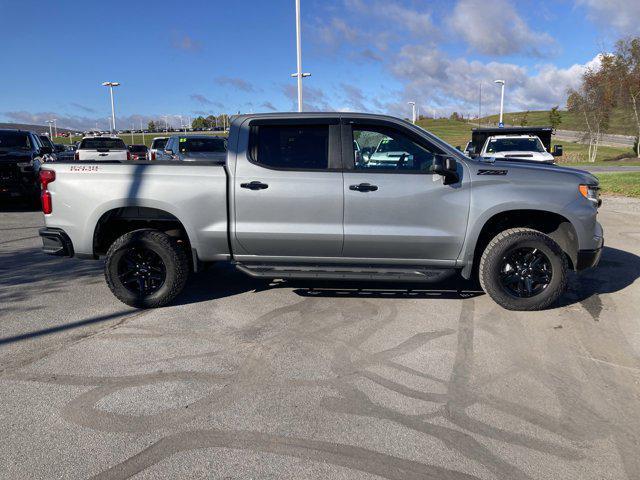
254, 185
364, 187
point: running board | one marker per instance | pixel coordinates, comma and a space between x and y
346, 272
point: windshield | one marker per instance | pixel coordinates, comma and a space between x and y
17, 140
137, 148
531, 144
203, 145
390, 145
95, 143
159, 143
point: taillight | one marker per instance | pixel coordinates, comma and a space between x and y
128, 155
76, 156
153, 155
46, 177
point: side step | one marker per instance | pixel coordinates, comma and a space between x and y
346, 272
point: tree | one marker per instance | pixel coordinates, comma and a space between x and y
555, 118
455, 116
199, 123
627, 69
151, 126
594, 100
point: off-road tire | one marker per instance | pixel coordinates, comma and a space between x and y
173, 256
491, 261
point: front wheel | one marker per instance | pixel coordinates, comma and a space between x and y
523, 269
146, 268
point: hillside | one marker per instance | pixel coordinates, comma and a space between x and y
34, 128
621, 123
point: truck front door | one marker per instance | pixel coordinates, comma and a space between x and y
395, 207
288, 190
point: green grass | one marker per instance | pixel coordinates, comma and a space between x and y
621, 122
626, 183
137, 137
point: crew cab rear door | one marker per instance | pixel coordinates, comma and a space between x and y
288, 190
395, 207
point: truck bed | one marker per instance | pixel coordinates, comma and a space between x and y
195, 193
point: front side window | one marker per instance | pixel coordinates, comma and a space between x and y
299, 147
382, 148
159, 143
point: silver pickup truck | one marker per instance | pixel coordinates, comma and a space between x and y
295, 200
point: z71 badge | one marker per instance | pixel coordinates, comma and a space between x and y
492, 172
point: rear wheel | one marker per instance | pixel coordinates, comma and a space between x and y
146, 268
523, 269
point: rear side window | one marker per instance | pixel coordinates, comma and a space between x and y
159, 143
106, 143
215, 145
299, 147
18, 140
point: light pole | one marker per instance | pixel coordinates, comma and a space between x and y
142, 130
113, 110
55, 127
299, 73
50, 122
501, 83
480, 105
413, 111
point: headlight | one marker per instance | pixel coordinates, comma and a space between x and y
591, 192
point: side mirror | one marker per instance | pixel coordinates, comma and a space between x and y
471, 150
448, 168
557, 151
168, 151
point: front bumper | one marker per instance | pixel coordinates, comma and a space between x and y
589, 258
56, 242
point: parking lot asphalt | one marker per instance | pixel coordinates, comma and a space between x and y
248, 379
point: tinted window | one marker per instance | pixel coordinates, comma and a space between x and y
98, 142
159, 143
382, 148
303, 147
46, 141
199, 144
137, 148
17, 140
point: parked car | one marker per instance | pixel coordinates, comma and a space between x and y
189, 148
102, 149
291, 201
68, 153
21, 155
157, 147
522, 143
138, 152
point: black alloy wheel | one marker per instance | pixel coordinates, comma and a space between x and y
525, 272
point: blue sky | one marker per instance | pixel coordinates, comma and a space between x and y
189, 58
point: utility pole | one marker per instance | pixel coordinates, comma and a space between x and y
113, 110
413, 111
501, 83
142, 129
480, 105
299, 73
133, 127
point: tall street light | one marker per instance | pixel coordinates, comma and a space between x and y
113, 110
50, 122
299, 73
501, 83
413, 111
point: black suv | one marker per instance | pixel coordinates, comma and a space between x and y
21, 154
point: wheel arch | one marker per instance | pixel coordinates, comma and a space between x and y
117, 221
557, 226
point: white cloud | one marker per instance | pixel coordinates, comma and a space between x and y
493, 27
438, 81
621, 15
